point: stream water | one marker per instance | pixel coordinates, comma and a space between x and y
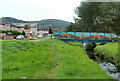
110, 68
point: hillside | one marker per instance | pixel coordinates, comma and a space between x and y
55, 23
14, 20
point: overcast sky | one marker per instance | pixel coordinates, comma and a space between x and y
31, 10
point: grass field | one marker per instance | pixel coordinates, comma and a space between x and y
110, 52
48, 59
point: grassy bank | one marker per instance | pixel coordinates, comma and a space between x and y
109, 52
0, 60
48, 59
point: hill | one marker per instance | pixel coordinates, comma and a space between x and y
55, 23
13, 20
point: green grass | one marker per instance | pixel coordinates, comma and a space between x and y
0, 60
49, 59
110, 52
75, 43
110, 48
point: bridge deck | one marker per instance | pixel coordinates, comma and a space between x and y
91, 41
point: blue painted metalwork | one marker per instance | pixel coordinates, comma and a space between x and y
86, 34
91, 41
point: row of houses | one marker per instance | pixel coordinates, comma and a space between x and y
30, 29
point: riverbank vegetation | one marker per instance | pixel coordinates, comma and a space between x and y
48, 59
109, 52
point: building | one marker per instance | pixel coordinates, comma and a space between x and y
6, 25
58, 30
8, 37
28, 33
31, 26
34, 30
42, 30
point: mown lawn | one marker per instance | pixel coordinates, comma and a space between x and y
48, 59
109, 52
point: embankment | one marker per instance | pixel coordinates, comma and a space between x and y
48, 59
109, 53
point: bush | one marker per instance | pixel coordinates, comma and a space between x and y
13, 32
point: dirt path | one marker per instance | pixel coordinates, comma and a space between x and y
37, 40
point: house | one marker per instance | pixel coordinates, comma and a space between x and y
28, 33
8, 37
31, 26
34, 30
6, 25
1, 35
42, 30
57, 30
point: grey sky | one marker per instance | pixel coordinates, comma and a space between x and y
31, 10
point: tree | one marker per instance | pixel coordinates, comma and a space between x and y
87, 13
98, 17
23, 33
73, 27
26, 27
13, 32
50, 31
109, 17
70, 27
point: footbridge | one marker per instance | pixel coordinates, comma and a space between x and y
90, 37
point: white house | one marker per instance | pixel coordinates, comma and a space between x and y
42, 30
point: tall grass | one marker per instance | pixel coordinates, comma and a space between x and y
49, 59
109, 52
